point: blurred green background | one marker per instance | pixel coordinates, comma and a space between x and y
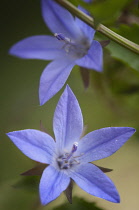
112, 99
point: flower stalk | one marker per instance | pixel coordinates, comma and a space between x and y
100, 27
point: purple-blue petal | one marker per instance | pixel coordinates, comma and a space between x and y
93, 59
54, 77
38, 47
104, 142
85, 28
52, 184
68, 120
59, 20
92, 180
35, 144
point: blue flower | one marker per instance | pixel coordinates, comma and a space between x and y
69, 154
72, 44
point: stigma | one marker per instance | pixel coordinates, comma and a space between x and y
67, 160
74, 148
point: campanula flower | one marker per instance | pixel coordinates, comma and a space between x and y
69, 155
71, 44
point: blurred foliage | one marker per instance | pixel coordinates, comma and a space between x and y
104, 11
121, 53
78, 203
28, 183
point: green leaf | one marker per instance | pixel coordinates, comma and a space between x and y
78, 203
125, 55
121, 53
129, 32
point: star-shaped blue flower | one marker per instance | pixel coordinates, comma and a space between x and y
72, 44
69, 154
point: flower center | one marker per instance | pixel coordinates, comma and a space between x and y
73, 48
67, 160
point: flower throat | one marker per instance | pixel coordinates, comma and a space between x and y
72, 48
67, 160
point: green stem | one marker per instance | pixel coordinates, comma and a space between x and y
119, 39
101, 28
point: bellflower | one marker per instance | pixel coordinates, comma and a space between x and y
71, 44
69, 154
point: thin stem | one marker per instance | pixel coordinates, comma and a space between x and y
118, 38
100, 27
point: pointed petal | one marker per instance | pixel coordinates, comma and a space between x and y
59, 20
85, 28
53, 78
52, 184
92, 180
104, 142
38, 47
35, 144
68, 120
94, 58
